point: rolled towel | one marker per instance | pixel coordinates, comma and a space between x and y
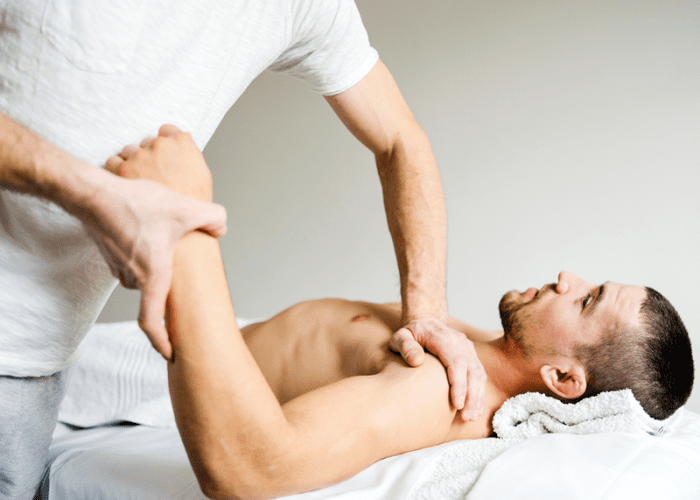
532, 414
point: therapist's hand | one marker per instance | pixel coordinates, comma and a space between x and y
140, 245
465, 372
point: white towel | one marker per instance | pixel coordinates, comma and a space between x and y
453, 473
532, 414
119, 377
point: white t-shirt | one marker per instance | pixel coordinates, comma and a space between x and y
94, 75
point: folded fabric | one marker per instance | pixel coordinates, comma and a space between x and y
532, 414
119, 378
454, 472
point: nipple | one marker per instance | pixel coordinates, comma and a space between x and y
359, 317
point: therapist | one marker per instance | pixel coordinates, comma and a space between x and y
80, 79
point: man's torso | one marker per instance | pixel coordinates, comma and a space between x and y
316, 343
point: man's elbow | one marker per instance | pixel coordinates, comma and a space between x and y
253, 482
234, 490
249, 491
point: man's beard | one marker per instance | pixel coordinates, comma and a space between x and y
512, 320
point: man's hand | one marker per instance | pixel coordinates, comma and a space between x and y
171, 159
143, 220
464, 370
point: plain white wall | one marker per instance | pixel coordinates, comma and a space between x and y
568, 136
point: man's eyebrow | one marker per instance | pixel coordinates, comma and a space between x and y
598, 298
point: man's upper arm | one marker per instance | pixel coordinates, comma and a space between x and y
346, 426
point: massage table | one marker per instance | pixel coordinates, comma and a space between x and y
116, 440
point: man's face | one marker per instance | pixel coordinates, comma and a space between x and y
569, 312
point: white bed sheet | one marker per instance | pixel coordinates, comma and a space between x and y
598, 466
136, 462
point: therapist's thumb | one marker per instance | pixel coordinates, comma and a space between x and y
403, 342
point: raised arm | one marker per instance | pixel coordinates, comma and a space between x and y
376, 113
240, 441
135, 223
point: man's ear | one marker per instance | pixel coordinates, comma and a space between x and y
566, 378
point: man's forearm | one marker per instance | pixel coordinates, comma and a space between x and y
376, 113
416, 214
228, 417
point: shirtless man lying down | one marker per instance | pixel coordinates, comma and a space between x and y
315, 394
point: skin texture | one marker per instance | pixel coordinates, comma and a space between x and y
312, 396
135, 223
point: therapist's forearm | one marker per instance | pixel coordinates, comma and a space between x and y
30, 164
415, 207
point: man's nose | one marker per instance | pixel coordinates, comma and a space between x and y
566, 281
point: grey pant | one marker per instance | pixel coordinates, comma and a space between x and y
28, 414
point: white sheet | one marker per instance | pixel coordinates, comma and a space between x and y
598, 466
146, 463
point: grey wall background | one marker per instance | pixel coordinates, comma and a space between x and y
568, 136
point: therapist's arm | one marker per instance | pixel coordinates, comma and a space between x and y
376, 113
135, 223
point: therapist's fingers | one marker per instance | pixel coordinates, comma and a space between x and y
129, 151
465, 372
169, 129
152, 310
113, 163
476, 393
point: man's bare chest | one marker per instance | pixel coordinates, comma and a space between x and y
317, 343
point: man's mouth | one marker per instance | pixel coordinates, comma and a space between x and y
543, 290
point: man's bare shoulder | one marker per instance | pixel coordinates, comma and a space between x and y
409, 407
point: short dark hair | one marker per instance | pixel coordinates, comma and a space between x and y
654, 360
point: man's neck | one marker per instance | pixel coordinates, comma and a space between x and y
507, 369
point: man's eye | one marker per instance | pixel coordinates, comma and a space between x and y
586, 301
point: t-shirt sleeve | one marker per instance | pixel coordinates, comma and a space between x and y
330, 48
